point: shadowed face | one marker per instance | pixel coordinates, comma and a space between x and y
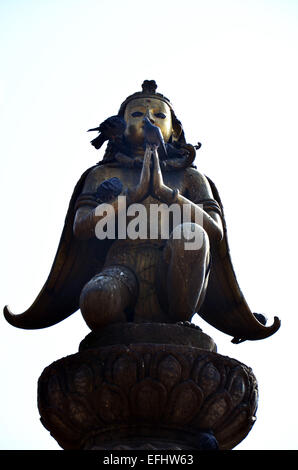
156, 110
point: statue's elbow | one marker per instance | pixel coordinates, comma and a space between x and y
80, 232
220, 233
216, 234
77, 232
83, 225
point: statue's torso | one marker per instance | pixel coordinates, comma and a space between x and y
144, 256
190, 183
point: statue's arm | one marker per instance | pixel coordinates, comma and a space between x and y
87, 215
200, 194
197, 189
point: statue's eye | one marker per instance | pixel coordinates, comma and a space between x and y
137, 114
160, 115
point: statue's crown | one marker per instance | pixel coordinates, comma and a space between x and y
148, 91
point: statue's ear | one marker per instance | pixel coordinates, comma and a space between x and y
177, 129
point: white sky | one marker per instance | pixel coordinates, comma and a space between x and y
230, 69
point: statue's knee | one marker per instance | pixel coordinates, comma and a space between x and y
95, 290
105, 297
189, 237
98, 296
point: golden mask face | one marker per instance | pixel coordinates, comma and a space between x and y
156, 110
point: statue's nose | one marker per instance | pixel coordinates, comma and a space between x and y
149, 116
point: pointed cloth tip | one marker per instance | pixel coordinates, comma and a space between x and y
7, 314
31, 320
264, 332
72, 268
17, 320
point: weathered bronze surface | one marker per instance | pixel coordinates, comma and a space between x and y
186, 334
145, 377
148, 279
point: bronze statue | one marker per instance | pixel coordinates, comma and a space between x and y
147, 161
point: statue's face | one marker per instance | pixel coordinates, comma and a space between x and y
156, 110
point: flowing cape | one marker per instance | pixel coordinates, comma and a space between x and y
224, 306
77, 261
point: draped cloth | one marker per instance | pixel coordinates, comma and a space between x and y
77, 261
224, 306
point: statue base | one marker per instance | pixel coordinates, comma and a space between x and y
147, 386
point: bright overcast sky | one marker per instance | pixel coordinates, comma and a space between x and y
230, 70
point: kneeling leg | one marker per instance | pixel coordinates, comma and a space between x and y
186, 270
108, 296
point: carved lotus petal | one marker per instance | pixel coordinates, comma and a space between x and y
237, 388
236, 423
253, 401
214, 410
55, 394
169, 371
148, 399
125, 372
83, 380
111, 403
79, 413
185, 402
209, 379
237, 427
65, 428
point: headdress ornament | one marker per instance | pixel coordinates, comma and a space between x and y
148, 91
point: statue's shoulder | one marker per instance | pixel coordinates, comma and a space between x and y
196, 178
94, 176
97, 171
197, 185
